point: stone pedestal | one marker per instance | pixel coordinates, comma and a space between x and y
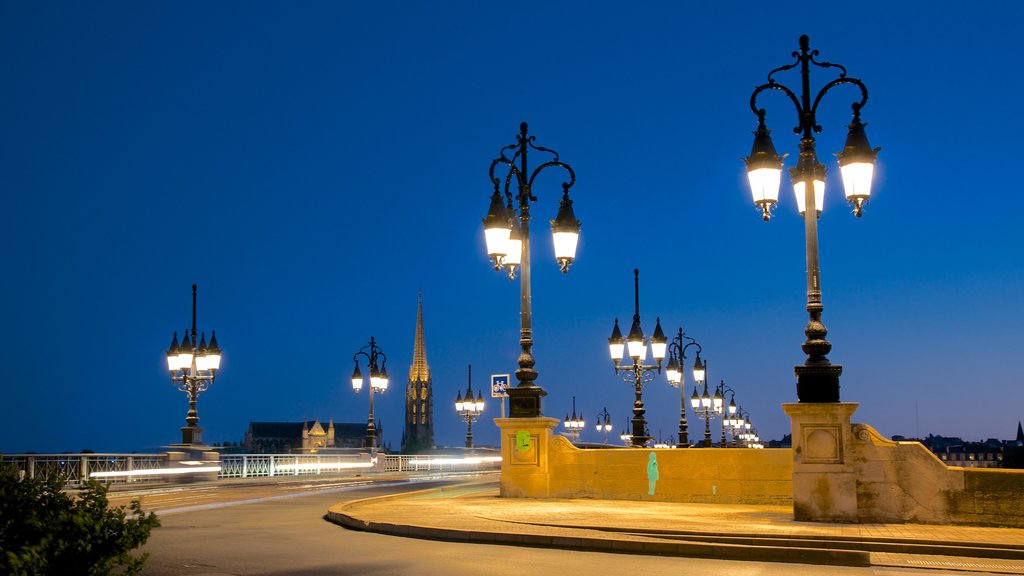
824, 477
524, 456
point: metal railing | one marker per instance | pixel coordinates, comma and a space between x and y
159, 468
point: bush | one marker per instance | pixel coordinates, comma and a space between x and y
45, 531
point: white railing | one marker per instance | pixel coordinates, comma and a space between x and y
157, 468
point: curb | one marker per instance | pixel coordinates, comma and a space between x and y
720, 551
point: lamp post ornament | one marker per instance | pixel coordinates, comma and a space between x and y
817, 378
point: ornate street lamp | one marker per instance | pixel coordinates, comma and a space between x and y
638, 373
675, 372
604, 423
507, 232
817, 378
726, 411
706, 406
574, 425
468, 409
193, 365
625, 436
378, 384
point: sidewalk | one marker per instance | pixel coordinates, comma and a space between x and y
475, 513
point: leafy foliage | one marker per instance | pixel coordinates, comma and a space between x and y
45, 531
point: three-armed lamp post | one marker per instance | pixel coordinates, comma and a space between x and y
817, 378
378, 383
638, 373
507, 232
574, 424
468, 409
193, 365
675, 372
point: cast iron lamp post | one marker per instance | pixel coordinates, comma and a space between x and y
574, 425
638, 373
817, 378
604, 423
193, 365
378, 383
625, 436
726, 411
468, 409
508, 245
674, 371
706, 407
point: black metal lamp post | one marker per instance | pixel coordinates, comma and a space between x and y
507, 232
817, 378
193, 365
574, 425
468, 409
706, 407
625, 436
675, 372
726, 411
638, 373
378, 383
604, 423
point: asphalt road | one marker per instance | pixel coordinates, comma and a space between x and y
279, 530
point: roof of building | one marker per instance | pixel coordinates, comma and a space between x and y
419, 371
294, 429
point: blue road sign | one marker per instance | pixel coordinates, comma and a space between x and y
499, 385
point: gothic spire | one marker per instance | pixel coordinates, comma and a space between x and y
420, 370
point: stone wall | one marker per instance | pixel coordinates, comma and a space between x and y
850, 472
836, 471
557, 469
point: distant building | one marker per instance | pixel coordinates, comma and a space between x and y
307, 437
418, 434
991, 453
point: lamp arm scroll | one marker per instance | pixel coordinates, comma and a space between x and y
555, 162
841, 80
772, 85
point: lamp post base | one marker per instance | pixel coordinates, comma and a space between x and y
191, 435
817, 383
524, 401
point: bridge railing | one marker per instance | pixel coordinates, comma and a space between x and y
74, 469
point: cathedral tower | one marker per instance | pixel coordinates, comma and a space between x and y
419, 399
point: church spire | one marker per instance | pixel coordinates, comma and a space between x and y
420, 370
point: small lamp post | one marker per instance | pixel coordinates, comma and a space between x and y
604, 423
193, 366
706, 407
377, 361
507, 233
468, 409
638, 373
574, 425
817, 378
625, 436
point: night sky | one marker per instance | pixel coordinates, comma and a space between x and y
314, 166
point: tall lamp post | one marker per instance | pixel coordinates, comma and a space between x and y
468, 409
604, 423
817, 378
674, 371
638, 373
574, 425
508, 246
193, 365
378, 383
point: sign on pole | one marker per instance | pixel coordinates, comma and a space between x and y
499, 385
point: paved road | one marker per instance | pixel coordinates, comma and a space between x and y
271, 535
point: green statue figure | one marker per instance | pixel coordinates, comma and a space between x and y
652, 473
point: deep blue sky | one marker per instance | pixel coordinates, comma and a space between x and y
313, 166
